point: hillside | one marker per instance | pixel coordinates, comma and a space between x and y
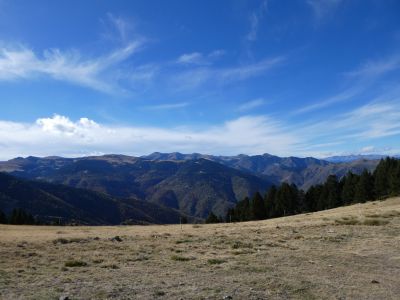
345, 253
55, 202
304, 172
195, 187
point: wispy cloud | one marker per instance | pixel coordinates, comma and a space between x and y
198, 76
376, 68
168, 106
22, 63
364, 126
18, 62
323, 9
368, 123
119, 25
251, 105
358, 80
341, 97
373, 120
62, 136
255, 19
197, 58
191, 58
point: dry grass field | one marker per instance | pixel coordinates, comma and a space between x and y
345, 253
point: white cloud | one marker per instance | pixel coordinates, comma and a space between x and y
251, 104
255, 19
102, 72
359, 80
168, 106
59, 135
63, 125
197, 58
216, 53
191, 58
196, 77
22, 63
341, 97
373, 120
122, 27
369, 123
369, 149
323, 9
377, 68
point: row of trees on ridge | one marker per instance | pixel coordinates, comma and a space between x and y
287, 199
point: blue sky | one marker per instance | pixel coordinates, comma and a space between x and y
301, 78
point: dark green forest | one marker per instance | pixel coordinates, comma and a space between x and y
287, 199
18, 217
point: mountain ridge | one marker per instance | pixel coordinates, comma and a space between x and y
177, 184
194, 184
72, 205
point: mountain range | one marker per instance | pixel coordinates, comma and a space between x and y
189, 184
51, 203
349, 158
304, 172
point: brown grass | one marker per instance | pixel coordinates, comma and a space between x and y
334, 254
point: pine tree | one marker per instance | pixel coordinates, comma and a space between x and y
269, 202
312, 197
364, 188
294, 206
301, 202
349, 183
20, 217
381, 182
3, 218
212, 218
395, 180
14, 218
332, 192
243, 210
230, 215
257, 207
286, 200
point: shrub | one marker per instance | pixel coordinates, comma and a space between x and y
180, 258
238, 244
375, 222
75, 263
216, 261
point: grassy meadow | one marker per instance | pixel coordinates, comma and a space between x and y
350, 252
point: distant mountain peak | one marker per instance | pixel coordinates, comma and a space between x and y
354, 157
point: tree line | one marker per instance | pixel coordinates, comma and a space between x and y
287, 199
18, 216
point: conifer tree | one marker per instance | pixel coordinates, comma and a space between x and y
332, 192
395, 180
364, 188
20, 217
3, 218
269, 202
230, 215
349, 183
212, 218
381, 177
312, 198
286, 199
257, 207
244, 210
